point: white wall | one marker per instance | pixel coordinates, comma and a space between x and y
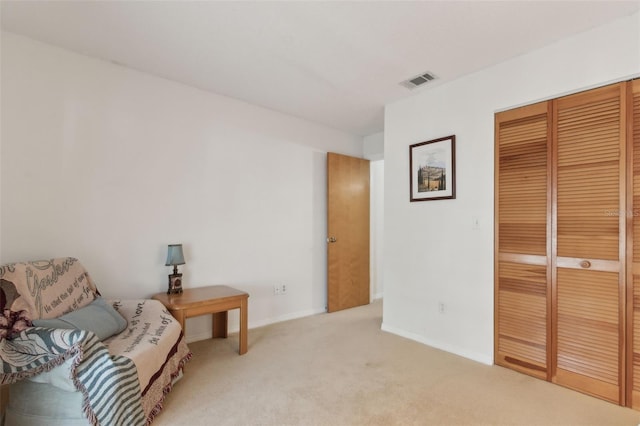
373, 149
373, 146
377, 228
432, 254
110, 165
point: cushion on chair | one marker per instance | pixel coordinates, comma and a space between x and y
98, 316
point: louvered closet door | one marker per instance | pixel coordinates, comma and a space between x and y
522, 293
590, 227
633, 270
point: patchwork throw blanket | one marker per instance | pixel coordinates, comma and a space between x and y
123, 379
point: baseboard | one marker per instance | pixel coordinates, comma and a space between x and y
256, 324
481, 358
286, 317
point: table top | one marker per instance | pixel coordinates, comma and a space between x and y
191, 297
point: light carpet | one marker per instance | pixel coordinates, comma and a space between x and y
340, 369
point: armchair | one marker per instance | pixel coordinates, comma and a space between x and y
73, 358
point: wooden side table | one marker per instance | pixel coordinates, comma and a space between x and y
216, 300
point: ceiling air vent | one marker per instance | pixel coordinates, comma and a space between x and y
418, 80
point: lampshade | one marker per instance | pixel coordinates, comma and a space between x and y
175, 256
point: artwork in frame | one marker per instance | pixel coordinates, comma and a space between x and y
433, 169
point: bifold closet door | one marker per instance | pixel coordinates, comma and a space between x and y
590, 222
522, 266
633, 268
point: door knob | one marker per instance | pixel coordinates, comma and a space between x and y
331, 240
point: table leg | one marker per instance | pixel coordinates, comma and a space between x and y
219, 324
243, 325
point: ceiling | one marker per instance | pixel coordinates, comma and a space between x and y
336, 63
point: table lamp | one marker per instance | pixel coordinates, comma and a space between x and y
175, 258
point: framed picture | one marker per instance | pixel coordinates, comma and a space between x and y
433, 169
175, 284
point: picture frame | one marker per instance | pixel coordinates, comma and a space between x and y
433, 169
175, 284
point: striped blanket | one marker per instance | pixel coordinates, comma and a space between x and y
124, 377
109, 383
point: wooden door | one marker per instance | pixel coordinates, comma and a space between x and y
633, 255
588, 280
348, 232
522, 266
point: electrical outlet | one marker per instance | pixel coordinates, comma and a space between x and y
283, 289
475, 222
441, 307
276, 290
279, 289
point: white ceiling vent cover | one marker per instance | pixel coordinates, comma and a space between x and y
418, 80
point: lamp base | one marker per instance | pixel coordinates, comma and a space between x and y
175, 284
